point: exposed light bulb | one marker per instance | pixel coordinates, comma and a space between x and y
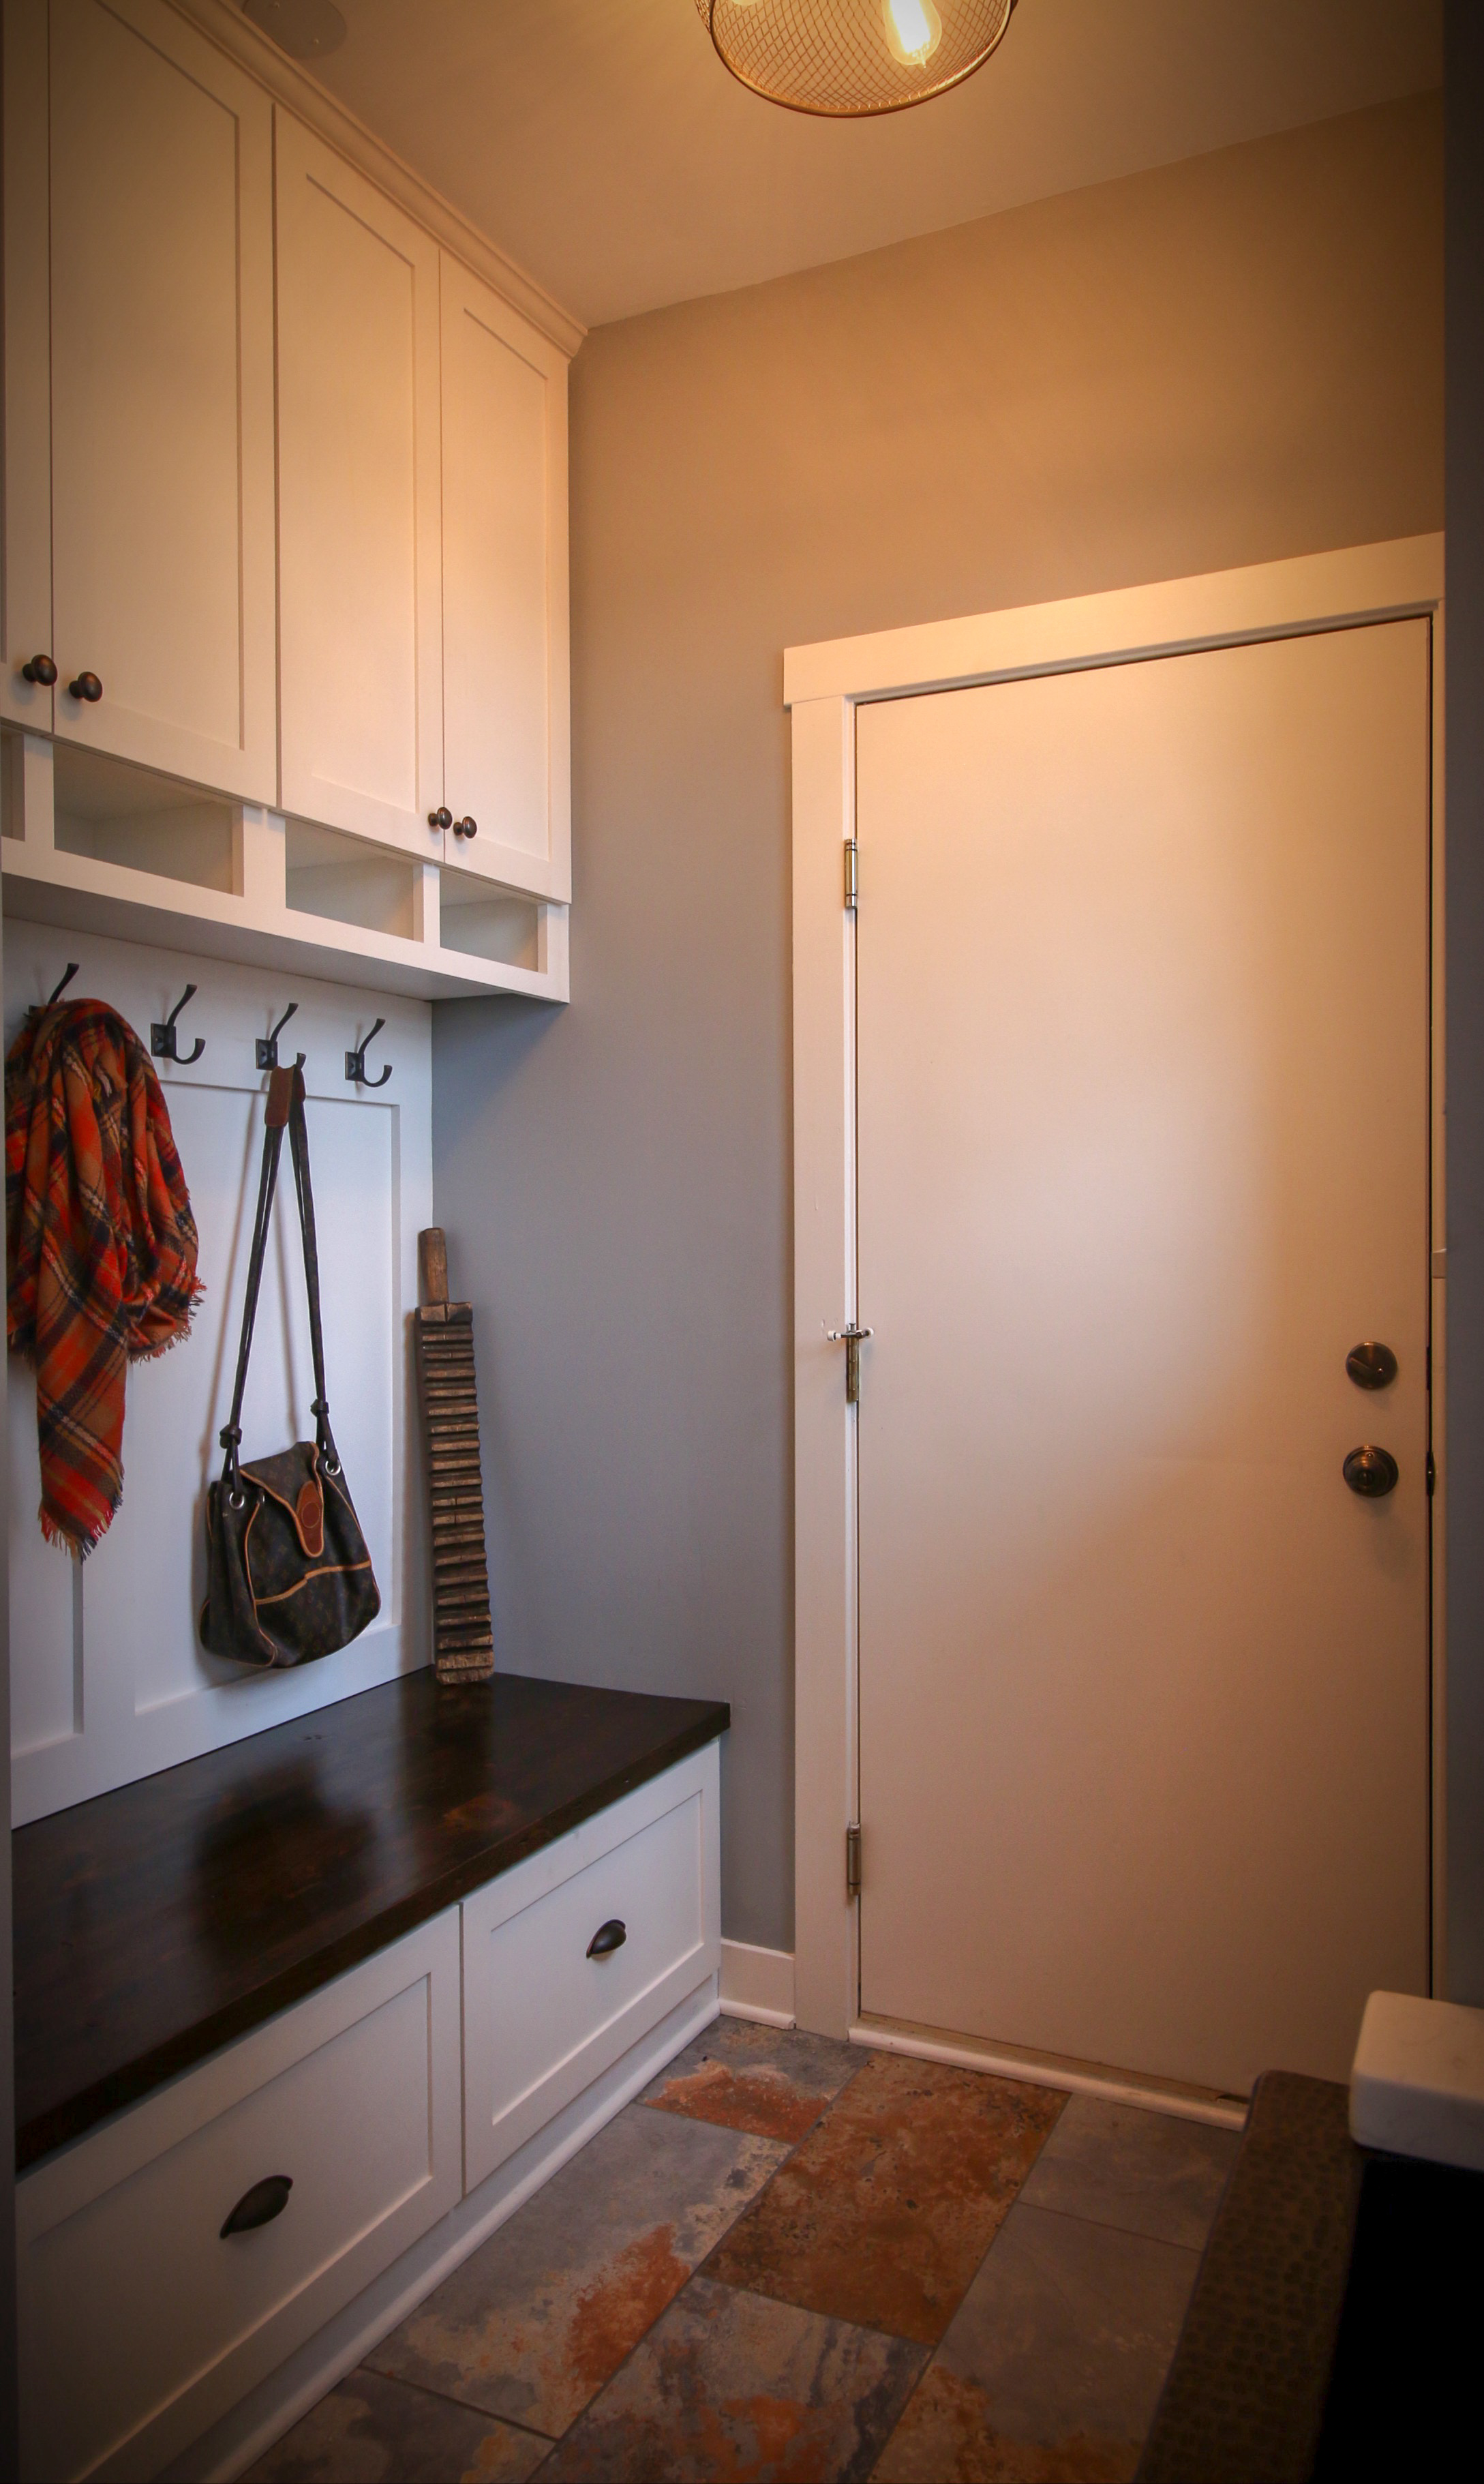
914, 31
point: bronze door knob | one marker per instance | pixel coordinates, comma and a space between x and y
1371, 1472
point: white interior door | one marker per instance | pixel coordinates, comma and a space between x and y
161, 253
1143, 1112
504, 517
358, 532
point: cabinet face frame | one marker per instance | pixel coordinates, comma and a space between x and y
244, 762
308, 789
544, 870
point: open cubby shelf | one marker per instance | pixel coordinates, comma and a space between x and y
95, 844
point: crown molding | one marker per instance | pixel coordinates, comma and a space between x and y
225, 25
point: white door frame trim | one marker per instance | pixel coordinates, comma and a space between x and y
823, 684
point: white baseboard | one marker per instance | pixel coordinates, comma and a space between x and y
267, 2412
756, 1983
1050, 2070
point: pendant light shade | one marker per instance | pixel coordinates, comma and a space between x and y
851, 60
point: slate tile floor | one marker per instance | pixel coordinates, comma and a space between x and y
791, 2259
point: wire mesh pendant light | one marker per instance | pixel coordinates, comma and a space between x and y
850, 60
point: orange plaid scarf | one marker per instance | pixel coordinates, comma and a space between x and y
102, 1244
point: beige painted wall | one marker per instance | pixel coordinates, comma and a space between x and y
1231, 360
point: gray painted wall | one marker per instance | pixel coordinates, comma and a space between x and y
1465, 897
1231, 359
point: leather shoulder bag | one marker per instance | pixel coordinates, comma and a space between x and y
288, 1575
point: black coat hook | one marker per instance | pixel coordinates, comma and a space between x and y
165, 1043
67, 972
268, 1045
355, 1062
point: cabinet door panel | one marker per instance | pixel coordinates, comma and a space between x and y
25, 613
647, 1867
142, 2321
504, 498
357, 503
161, 395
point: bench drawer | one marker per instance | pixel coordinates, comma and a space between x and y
140, 2323
542, 2016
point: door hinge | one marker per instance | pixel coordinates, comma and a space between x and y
852, 1860
850, 1339
1432, 1474
852, 873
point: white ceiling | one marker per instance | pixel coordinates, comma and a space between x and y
601, 143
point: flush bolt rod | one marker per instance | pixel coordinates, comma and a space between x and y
850, 1339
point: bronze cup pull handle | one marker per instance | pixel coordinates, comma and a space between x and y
607, 1937
258, 2207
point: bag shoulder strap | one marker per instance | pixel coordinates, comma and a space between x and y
275, 1121
284, 1110
299, 1149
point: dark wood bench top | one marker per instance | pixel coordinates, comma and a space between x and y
158, 1922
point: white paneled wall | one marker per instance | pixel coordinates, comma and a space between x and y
109, 1681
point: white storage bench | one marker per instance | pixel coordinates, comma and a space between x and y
204, 2247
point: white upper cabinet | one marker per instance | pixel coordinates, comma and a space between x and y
360, 592
284, 481
25, 607
506, 737
144, 189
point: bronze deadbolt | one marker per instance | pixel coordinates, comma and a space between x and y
1371, 1366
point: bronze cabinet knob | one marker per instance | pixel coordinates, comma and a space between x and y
1371, 1472
39, 668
